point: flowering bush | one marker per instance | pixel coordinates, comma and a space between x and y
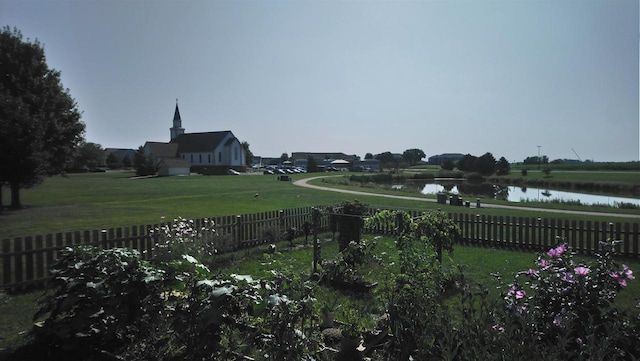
181, 237
561, 298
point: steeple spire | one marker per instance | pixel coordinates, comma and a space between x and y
176, 114
177, 128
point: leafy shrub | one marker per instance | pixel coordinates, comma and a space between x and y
98, 300
349, 221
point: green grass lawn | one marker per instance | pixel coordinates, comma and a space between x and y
115, 199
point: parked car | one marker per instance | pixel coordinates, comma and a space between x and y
232, 172
268, 172
280, 171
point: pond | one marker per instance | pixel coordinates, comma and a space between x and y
516, 194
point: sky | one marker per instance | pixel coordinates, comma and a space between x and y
507, 77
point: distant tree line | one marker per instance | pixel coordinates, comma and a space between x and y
486, 164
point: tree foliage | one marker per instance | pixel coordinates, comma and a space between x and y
485, 164
89, 156
447, 164
466, 163
247, 153
385, 158
413, 156
40, 126
503, 167
368, 156
112, 161
143, 163
312, 165
536, 160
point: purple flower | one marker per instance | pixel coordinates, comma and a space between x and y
557, 321
520, 294
581, 271
579, 341
556, 252
567, 277
622, 282
533, 274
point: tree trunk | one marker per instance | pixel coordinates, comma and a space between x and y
15, 196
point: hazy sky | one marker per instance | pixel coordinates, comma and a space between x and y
352, 76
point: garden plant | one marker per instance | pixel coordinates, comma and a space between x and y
112, 304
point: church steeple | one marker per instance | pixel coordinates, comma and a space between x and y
177, 128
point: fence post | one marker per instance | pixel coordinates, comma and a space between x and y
315, 216
281, 221
399, 223
239, 230
104, 239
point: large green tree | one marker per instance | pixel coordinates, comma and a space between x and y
88, 156
40, 126
413, 156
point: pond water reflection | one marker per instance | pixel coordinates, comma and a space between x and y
515, 193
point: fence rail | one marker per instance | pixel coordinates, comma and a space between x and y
24, 261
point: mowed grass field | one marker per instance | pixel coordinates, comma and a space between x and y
116, 199
91, 201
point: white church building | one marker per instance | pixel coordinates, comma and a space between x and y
206, 152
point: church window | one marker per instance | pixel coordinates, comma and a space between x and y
200, 158
191, 158
219, 156
209, 158
235, 153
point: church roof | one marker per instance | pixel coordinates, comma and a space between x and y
200, 142
163, 150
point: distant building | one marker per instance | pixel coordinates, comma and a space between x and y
324, 160
439, 159
207, 152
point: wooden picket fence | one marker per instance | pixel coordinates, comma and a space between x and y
24, 261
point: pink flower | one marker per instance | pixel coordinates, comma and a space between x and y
556, 252
543, 264
614, 275
627, 272
581, 271
520, 294
622, 282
